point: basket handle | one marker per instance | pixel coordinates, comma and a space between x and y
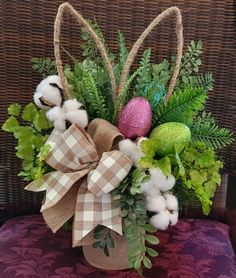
57, 32
138, 43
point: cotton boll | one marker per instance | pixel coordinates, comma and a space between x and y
51, 95
163, 182
49, 92
56, 113
79, 117
127, 147
149, 188
171, 201
161, 220
155, 203
60, 125
173, 217
71, 104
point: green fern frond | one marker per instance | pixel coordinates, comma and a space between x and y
95, 98
205, 81
123, 51
44, 66
140, 74
182, 106
144, 74
206, 130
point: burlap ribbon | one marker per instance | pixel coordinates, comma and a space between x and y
87, 171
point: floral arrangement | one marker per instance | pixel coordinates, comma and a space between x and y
143, 152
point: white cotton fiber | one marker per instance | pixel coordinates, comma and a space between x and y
155, 203
163, 182
60, 125
127, 147
56, 113
54, 79
135, 156
79, 117
149, 188
171, 201
71, 104
173, 217
161, 220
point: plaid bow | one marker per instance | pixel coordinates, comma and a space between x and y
83, 181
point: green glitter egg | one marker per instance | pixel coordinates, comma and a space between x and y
170, 135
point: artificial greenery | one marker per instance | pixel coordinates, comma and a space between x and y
44, 66
182, 106
31, 128
103, 238
205, 129
201, 172
135, 219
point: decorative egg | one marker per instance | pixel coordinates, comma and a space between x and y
136, 118
170, 135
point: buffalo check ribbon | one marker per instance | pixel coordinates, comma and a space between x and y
87, 170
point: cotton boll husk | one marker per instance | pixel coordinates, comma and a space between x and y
48, 92
56, 113
161, 220
71, 104
173, 217
163, 182
79, 117
171, 201
127, 147
60, 125
140, 140
149, 188
37, 101
155, 203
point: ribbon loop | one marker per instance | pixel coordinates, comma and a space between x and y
112, 168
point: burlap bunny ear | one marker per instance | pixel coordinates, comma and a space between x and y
118, 258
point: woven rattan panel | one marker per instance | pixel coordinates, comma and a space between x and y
26, 31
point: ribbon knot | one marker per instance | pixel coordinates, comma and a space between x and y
87, 170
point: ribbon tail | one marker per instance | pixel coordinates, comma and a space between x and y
91, 211
61, 212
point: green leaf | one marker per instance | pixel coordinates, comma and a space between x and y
110, 242
151, 239
182, 106
11, 124
29, 112
206, 130
41, 121
164, 164
151, 252
14, 109
149, 228
147, 263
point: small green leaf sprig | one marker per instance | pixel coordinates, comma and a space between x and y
31, 128
135, 221
103, 238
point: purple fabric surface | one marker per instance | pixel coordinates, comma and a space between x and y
193, 248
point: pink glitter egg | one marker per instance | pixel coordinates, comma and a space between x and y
136, 118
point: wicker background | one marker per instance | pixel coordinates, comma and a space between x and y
26, 31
